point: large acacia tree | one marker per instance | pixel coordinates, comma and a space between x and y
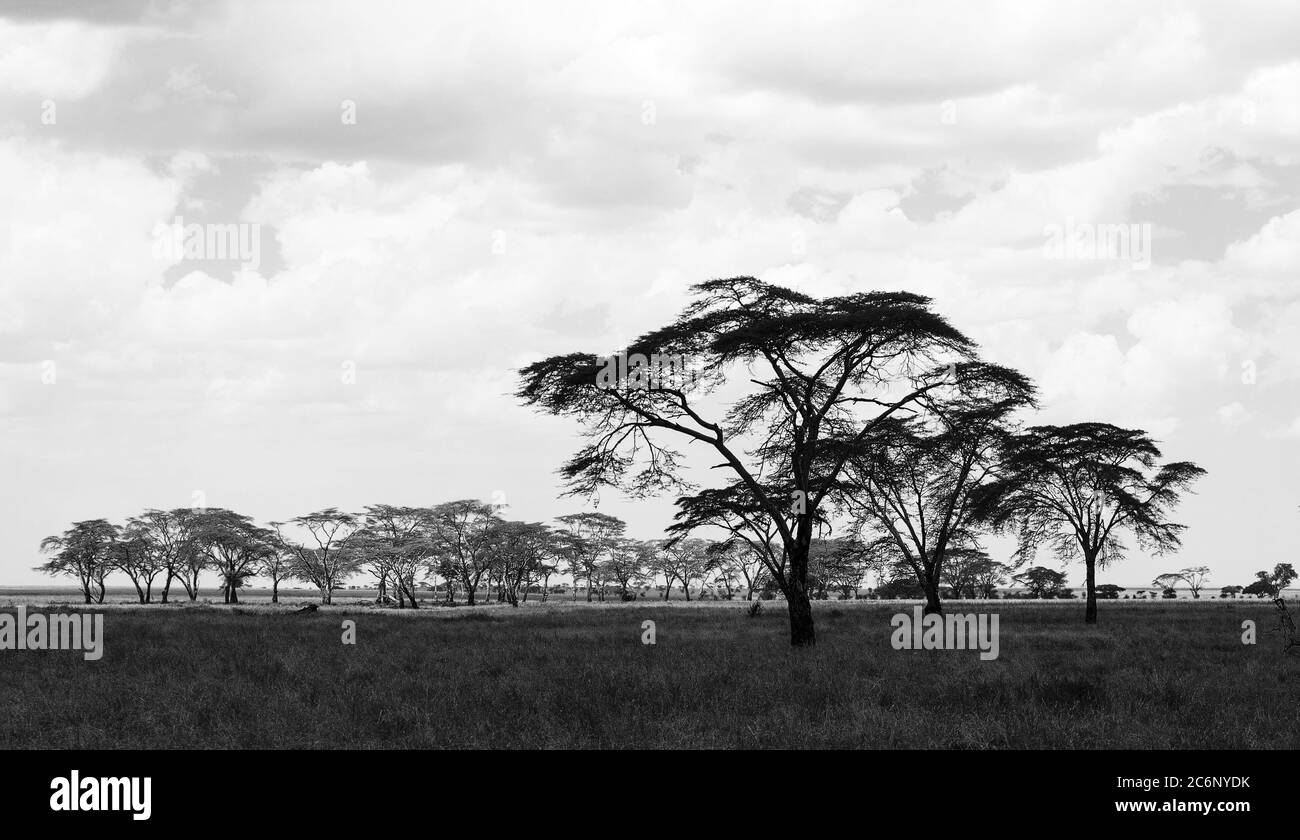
1078, 488
823, 372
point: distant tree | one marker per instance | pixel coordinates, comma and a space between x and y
517, 550
1109, 591
987, 577
725, 560
740, 562
1076, 488
278, 563
628, 562
901, 588
563, 551
1193, 576
1168, 592
1166, 581
687, 559
972, 573
836, 565
1041, 581
825, 372
593, 536
324, 559
137, 556
402, 543
191, 558
1260, 588
84, 551
462, 535
753, 538
168, 535
1230, 592
1270, 584
235, 547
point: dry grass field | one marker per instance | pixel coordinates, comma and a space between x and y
1149, 676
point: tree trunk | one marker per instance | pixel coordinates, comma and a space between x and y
1090, 615
234, 594
802, 633
932, 604
275, 591
167, 586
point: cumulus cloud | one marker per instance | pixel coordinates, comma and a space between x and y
511, 188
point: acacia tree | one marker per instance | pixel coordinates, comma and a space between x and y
278, 563
838, 564
824, 372
562, 551
84, 551
1271, 584
191, 557
913, 481
1041, 581
235, 546
687, 559
325, 560
736, 559
593, 535
628, 562
1193, 576
405, 534
139, 558
517, 550
167, 533
972, 573
1078, 487
752, 534
462, 537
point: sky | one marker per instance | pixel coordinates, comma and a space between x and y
442, 193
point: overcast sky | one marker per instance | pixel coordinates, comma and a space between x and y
445, 192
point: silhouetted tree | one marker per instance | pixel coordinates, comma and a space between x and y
84, 551
912, 481
1193, 576
235, 547
325, 559
1041, 581
1078, 487
825, 372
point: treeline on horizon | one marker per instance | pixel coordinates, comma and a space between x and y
466, 547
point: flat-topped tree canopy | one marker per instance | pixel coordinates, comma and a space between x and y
824, 372
1077, 488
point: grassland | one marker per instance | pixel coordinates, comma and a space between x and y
1149, 675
